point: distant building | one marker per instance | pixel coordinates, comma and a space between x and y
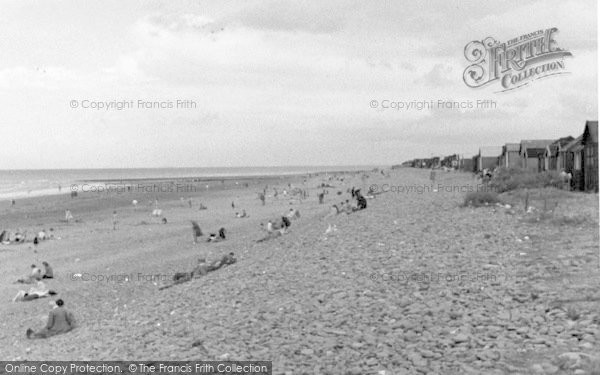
532, 154
590, 151
450, 161
488, 157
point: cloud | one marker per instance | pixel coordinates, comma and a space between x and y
438, 76
292, 16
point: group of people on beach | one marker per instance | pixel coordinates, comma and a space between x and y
35, 277
59, 319
359, 202
8, 237
37, 274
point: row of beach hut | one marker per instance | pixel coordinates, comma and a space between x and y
577, 156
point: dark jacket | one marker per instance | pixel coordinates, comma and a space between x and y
59, 321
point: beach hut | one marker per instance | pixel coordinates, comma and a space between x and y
554, 154
475, 163
532, 154
488, 157
574, 162
466, 164
589, 142
510, 155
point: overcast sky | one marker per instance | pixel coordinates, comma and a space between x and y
275, 82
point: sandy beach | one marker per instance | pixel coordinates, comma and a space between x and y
415, 283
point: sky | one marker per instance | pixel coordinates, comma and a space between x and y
275, 82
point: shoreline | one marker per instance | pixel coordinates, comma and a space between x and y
76, 185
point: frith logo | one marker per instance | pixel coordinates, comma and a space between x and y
515, 63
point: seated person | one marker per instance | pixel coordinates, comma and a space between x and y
59, 321
34, 276
361, 202
214, 238
48, 272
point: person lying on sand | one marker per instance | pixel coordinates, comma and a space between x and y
34, 276
35, 292
181, 277
60, 321
201, 270
48, 272
224, 261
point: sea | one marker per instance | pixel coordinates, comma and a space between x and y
24, 183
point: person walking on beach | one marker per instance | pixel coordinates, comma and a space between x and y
59, 321
115, 220
196, 231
